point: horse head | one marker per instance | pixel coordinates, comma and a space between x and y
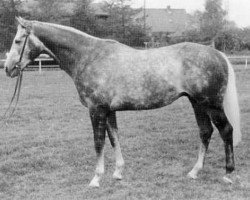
25, 48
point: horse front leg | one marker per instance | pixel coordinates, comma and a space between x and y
113, 137
98, 118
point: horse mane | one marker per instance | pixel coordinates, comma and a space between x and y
28, 24
78, 32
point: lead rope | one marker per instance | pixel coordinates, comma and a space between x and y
17, 86
15, 95
19, 83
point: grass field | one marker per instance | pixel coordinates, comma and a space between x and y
47, 150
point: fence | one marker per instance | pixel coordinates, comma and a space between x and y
40, 60
238, 59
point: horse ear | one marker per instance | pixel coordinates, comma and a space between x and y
21, 21
18, 19
25, 24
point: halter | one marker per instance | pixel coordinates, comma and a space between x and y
18, 66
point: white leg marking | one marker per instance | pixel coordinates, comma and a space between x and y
232, 178
95, 182
119, 161
199, 164
227, 180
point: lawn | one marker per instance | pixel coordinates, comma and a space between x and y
47, 149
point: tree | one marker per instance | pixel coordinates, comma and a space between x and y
213, 19
229, 40
122, 23
83, 17
244, 35
194, 21
49, 10
8, 10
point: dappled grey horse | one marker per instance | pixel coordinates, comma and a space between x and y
110, 77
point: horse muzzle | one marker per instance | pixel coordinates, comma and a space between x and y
15, 71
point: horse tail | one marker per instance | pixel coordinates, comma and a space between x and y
231, 104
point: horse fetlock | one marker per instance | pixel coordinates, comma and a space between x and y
230, 169
99, 171
120, 163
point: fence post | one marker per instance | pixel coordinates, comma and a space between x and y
246, 64
40, 66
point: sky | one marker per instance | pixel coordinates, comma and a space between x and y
239, 10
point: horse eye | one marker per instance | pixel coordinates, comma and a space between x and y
17, 41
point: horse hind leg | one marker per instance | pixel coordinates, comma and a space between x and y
113, 137
206, 130
220, 120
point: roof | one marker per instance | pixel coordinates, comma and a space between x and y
97, 8
166, 20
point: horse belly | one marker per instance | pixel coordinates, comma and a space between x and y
150, 95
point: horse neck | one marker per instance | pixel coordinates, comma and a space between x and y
70, 46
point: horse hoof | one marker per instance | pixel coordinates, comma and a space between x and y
94, 184
232, 179
192, 175
227, 180
117, 176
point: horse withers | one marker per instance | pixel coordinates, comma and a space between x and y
110, 77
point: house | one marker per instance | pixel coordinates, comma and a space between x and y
164, 22
99, 12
